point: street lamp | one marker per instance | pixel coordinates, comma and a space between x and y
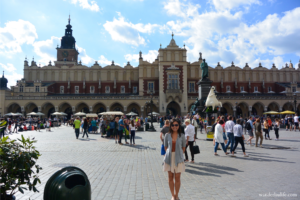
295, 102
151, 128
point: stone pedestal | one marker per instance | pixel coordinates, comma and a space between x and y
204, 86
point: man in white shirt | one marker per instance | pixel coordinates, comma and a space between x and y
195, 124
229, 130
190, 138
296, 122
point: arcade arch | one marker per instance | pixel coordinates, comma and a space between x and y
273, 106
173, 109
288, 106
82, 107
14, 108
116, 107
48, 108
30, 107
242, 109
66, 108
226, 109
257, 109
99, 108
133, 107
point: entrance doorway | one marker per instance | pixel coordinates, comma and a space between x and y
173, 109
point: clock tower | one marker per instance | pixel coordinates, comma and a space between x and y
67, 53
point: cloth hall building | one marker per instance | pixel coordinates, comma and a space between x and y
69, 86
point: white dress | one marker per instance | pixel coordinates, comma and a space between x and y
219, 133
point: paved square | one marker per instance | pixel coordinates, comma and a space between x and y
126, 172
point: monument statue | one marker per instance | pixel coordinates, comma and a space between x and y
212, 99
204, 68
195, 105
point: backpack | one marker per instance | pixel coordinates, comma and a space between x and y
213, 128
248, 126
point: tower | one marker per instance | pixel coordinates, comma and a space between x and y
67, 51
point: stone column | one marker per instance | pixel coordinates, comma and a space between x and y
250, 109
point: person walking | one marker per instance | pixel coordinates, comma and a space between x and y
164, 130
223, 125
291, 122
296, 122
94, 126
116, 130
85, 128
132, 132
120, 130
276, 128
38, 127
77, 124
9, 126
218, 136
258, 132
229, 130
174, 143
286, 122
126, 128
195, 124
3, 125
190, 139
266, 130
249, 129
238, 138
15, 126
111, 128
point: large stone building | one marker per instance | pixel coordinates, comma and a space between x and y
68, 86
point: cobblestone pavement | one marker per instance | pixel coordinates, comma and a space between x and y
135, 172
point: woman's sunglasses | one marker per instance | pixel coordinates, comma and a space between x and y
176, 125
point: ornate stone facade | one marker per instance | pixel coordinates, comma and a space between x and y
68, 86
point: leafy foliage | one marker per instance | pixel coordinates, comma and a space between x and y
17, 161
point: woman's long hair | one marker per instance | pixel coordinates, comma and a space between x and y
132, 123
179, 128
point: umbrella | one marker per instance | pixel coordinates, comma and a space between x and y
62, 113
256, 92
39, 113
271, 113
10, 114
112, 113
228, 91
91, 115
131, 114
56, 113
287, 112
79, 114
32, 113
283, 92
243, 91
18, 114
271, 92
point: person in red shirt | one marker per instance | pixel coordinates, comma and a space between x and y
269, 123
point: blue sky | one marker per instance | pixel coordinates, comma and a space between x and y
242, 31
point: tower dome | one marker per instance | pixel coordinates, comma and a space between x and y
3, 83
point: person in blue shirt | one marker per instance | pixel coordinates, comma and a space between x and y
112, 127
94, 125
121, 128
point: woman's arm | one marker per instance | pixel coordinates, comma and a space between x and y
161, 136
183, 143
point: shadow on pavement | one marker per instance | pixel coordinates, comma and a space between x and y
85, 139
210, 169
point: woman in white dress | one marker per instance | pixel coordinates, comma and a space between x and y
219, 137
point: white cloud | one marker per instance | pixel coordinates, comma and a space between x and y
12, 76
103, 61
14, 34
221, 5
85, 59
175, 7
127, 32
46, 49
150, 56
222, 35
85, 4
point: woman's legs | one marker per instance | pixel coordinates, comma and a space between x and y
177, 184
216, 147
249, 140
171, 183
223, 147
276, 133
133, 138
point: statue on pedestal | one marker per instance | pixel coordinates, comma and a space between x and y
204, 68
195, 105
